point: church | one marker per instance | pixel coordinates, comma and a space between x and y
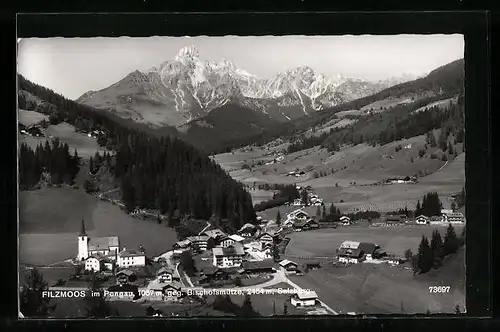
104, 252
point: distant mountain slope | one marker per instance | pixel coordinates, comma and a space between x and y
186, 88
444, 82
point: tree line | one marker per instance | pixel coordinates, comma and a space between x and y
155, 169
54, 161
287, 193
431, 205
430, 255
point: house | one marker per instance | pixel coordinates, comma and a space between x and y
422, 220
393, 260
200, 243
214, 234
125, 276
102, 246
446, 211
297, 202
437, 219
182, 244
349, 245
298, 214
303, 225
93, 263
345, 220
313, 265
231, 256
304, 299
288, 267
247, 230
171, 291
369, 250
348, 255
454, 218
266, 238
128, 258
265, 266
165, 274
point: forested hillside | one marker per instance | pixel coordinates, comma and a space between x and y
154, 172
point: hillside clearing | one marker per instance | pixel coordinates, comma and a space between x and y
29, 118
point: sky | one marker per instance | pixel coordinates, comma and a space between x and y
73, 66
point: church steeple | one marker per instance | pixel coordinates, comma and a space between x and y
82, 230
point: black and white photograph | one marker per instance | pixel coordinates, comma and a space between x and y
251, 176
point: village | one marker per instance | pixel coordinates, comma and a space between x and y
250, 261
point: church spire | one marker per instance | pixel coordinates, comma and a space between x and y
82, 230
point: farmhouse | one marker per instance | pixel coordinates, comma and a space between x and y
446, 211
214, 234
289, 267
454, 218
304, 299
93, 263
347, 255
393, 220
247, 230
422, 220
102, 246
345, 220
437, 219
231, 256
128, 258
125, 276
265, 238
200, 243
265, 266
303, 225
165, 274
297, 214
355, 252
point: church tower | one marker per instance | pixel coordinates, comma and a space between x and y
83, 246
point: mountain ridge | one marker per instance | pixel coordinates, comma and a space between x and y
186, 88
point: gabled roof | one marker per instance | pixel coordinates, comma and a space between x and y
307, 295
302, 223
164, 269
126, 272
246, 226
198, 238
214, 233
236, 237
368, 248
209, 270
183, 243
286, 262
345, 218
229, 251
352, 253
131, 253
350, 244
422, 217
265, 264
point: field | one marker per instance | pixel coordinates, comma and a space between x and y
394, 240
380, 289
29, 118
86, 146
440, 103
50, 220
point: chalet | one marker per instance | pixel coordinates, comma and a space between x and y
313, 265
266, 238
297, 202
129, 258
422, 220
227, 241
214, 234
231, 256
170, 291
247, 230
125, 276
436, 219
165, 274
182, 244
289, 267
348, 255
454, 218
93, 263
297, 214
212, 273
303, 225
304, 299
369, 250
345, 220
200, 243
446, 211
265, 266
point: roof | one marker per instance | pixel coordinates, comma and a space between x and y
209, 270
247, 225
131, 253
302, 223
455, 214
307, 295
286, 262
125, 272
392, 218
353, 253
265, 264
345, 218
265, 234
350, 244
368, 248
165, 269
82, 229
236, 237
422, 216
214, 233
198, 238
103, 243
183, 243
229, 251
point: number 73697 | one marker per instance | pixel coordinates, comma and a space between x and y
439, 289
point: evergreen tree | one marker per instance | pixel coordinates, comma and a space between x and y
323, 213
453, 206
274, 308
424, 256
305, 198
450, 148
457, 309
451, 242
408, 254
437, 248
418, 209
333, 210
318, 213
247, 308
285, 309
278, 218
32, 303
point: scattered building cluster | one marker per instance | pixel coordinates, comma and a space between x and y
352, 252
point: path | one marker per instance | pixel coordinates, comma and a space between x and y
323, 304
446, 163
